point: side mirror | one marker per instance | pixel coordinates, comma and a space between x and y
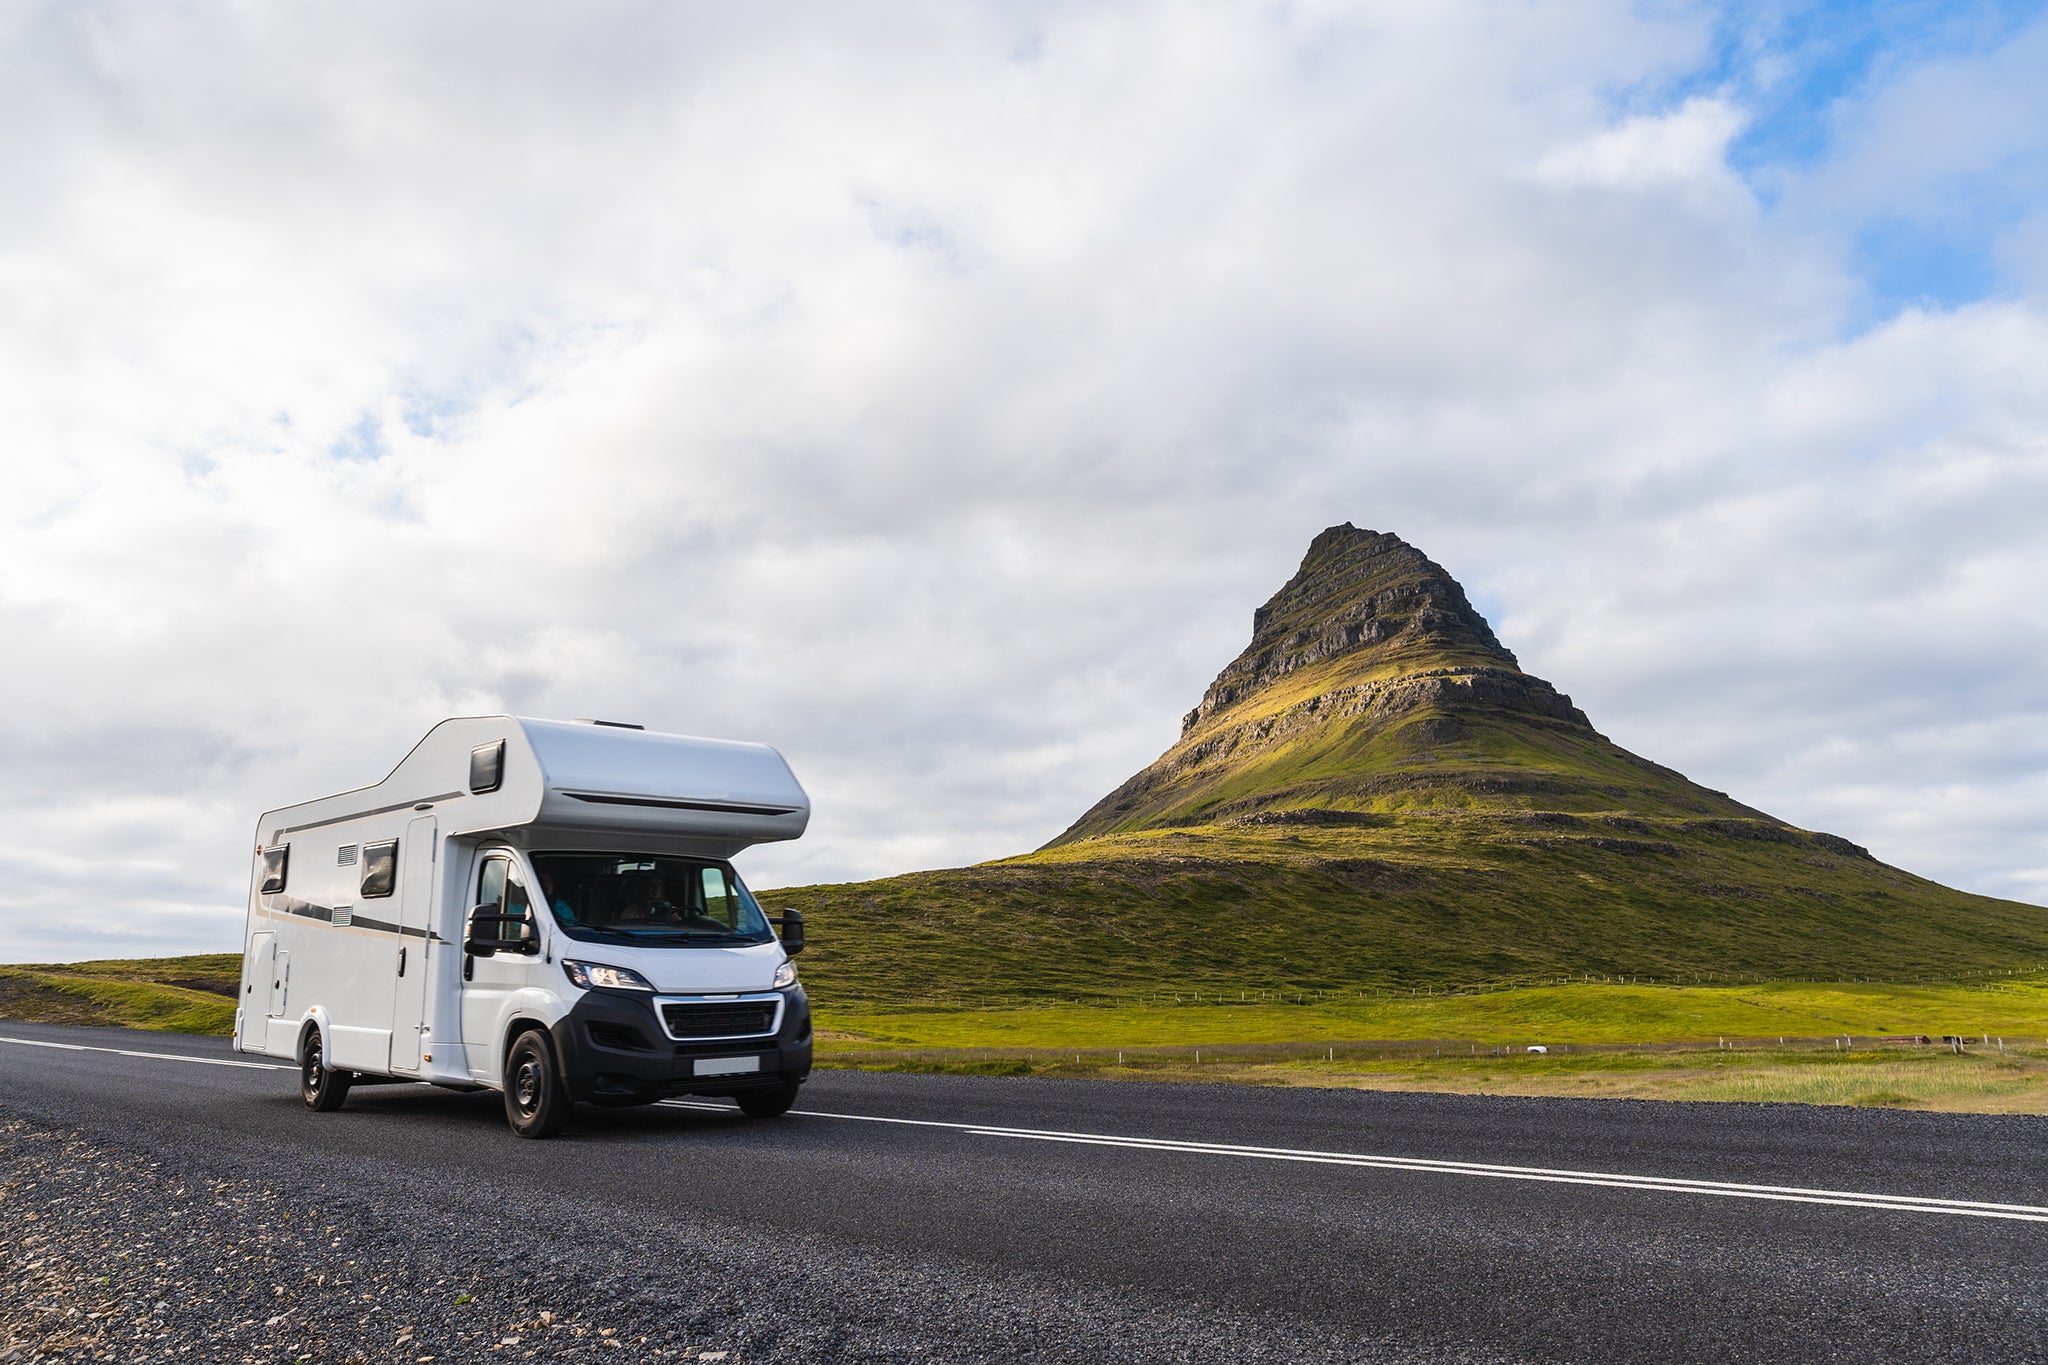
477, 945
473, 945
792, 923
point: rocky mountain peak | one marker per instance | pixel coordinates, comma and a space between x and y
1370, 684
1356, 591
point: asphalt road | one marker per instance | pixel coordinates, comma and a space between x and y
899, 1217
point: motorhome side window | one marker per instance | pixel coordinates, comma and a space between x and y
276, 862
380, 868
487, 767
500, 892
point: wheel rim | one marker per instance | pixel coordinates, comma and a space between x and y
315, 1074
526, 1085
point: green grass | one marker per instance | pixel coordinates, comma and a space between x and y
179, 994
1550, 1015
1982, 1080
1607, 1041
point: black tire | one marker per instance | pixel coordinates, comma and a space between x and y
322, 1088
768, 1103
536, 1101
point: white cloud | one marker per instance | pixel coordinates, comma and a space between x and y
935, 396
1682, 147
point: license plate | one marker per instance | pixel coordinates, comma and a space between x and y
727, 1066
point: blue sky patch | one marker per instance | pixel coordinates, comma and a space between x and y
1795, 68
1910, 264
363, 442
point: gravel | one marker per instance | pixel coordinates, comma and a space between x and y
111, 1253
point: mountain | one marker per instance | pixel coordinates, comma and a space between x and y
1373, 793
1371, 684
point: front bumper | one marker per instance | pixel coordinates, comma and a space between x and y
614, 1050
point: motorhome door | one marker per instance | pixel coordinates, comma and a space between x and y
490, 983
421, 855
261, 971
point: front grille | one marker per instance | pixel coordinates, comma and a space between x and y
718, 1018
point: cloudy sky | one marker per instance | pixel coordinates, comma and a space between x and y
934, 391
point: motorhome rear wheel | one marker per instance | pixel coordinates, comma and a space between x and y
322, 1087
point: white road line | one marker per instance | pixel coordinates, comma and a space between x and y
154, 1056
1794, 1194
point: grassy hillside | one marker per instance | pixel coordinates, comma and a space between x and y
1437, 899
181, 994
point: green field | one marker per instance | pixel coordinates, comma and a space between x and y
1786, 1042
182, 994
1588, 1014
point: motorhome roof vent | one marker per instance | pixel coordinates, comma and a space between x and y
614, 724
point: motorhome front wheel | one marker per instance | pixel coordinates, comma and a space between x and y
536, 1104
767, 1104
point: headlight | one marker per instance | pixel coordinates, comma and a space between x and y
785, 975
590, 974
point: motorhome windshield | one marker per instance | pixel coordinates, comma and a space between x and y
654, 902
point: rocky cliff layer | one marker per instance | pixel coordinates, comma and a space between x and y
1357, 593
1371, 683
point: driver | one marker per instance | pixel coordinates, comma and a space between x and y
645, 899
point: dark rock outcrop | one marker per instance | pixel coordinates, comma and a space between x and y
1371, 679
1355, 591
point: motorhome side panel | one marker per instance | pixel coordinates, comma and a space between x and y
336, 935
362, 963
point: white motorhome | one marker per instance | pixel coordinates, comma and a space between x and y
543, 908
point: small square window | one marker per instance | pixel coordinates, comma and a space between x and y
487, 767
276, 861
380, 868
